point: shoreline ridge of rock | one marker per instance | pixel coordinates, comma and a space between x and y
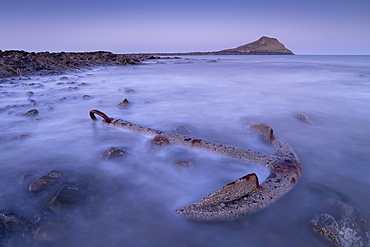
23, 63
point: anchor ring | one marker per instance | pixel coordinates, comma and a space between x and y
101, 114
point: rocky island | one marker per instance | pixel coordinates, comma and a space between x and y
263, 46
21, 63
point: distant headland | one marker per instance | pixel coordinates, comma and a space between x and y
20, 63
263, 46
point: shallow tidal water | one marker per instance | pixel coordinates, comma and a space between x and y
132, 201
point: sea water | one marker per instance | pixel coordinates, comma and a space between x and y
133, 199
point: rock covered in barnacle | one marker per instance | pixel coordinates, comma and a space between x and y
352, 228
124, 103
114, 153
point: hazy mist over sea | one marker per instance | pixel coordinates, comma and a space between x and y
132, 201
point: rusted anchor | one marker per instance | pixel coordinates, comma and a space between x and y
244, 195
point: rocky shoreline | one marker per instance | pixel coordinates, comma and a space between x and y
22, 63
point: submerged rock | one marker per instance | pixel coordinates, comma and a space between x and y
326, 226
303, 118
45, 181
182, 130
129, 90
32, 112
12, 138
10, 221
49, 232
67, 196
87, 96
113, 153
352, 228
124, 104
184, 164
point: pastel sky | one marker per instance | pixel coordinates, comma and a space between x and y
139, 26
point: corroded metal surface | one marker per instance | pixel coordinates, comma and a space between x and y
244, 195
